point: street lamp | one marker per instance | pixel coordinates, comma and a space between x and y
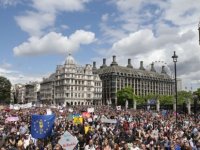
175, 60
199, 32
195, 97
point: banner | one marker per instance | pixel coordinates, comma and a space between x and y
12, 119
68, 141
90, 110
104, 120
20, 106
78, 120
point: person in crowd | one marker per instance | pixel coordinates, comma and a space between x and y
104, 129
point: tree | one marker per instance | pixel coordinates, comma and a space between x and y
166, 99
197, 92
127, 94
5, 89
183, 96
124, 94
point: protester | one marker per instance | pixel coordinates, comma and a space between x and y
105, 128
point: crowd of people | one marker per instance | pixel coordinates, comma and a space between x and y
133, 129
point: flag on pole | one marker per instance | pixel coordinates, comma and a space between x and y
42, 125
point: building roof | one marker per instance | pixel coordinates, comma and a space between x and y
49, 79
120, 70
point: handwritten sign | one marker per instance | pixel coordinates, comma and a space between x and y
68, 141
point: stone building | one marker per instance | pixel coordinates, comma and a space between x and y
18, 93
47, 90
115, 77
77, 85
32, 92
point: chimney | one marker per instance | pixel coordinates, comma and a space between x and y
129, 64
163, 70
94, 69
141, 66
94, 64
104, 63
114, 63
152, 67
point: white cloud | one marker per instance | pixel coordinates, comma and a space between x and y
62, 5
44, 14
64, 26
17, 77
34, 23
183, 12
54, 43
6, 3
105, 17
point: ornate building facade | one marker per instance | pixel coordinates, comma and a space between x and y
77, 85
47, 89
18, 93
143, 82
32, 92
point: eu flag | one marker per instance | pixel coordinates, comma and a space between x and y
42, 125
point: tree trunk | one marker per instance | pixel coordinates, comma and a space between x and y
158, 105
134, 104
174, 106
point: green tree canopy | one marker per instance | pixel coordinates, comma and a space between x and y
166, 99
183, 96
5, 87
197, 92
127, 94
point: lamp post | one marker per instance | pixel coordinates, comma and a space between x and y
174, 57
195, 97
199, 32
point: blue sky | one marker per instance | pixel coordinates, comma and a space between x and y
37, 35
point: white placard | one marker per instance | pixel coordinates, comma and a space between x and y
103, 120
89, 119
68, 141
118, 108
70, 110
49, 112
90, 110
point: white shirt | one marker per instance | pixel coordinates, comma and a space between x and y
87, 147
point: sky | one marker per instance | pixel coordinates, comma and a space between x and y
37, 35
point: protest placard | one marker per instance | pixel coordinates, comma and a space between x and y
90, 110
104, 120
49, 112
68, 141
78, 120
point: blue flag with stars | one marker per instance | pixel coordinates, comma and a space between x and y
42, 125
